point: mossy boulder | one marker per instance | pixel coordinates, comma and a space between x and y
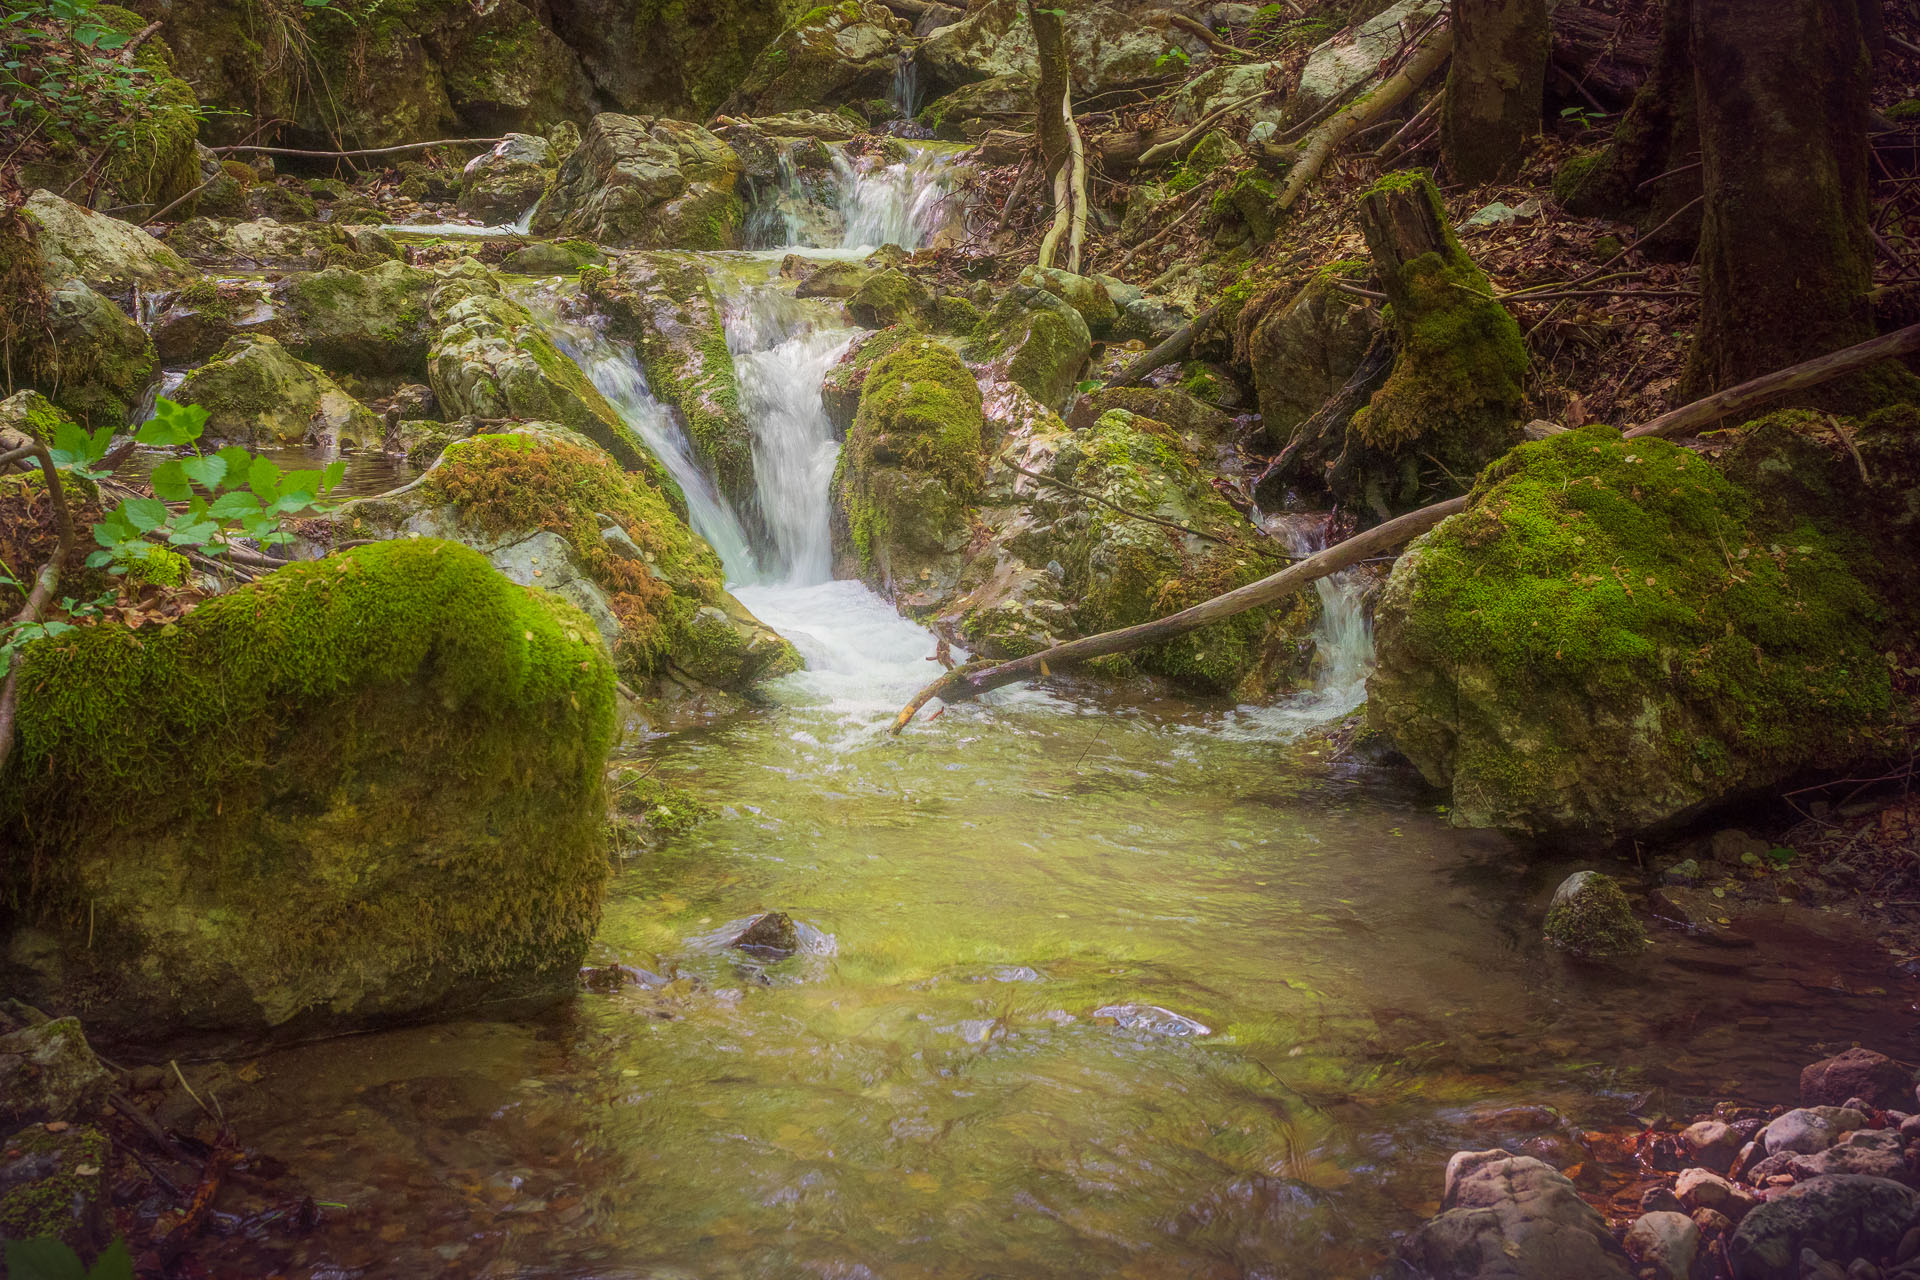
889, 297
551, 511
1107, 48
93, 360
642, 182
664, 305
256, 392
1083, 293
1614, 636
49, 1073
911, 466
1304, 352
375, 320
1035, 339
840, 389
266, 243
501, 184
364, 789
970, 111
492, 359
1590, 917
105, 253
671, 57
840, 52
53, 1185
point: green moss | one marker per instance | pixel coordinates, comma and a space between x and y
62, 1203
159, 568
1575, 174
648, 810
1901, 112
1595, 922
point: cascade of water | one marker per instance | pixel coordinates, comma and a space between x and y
905, 95
903, 204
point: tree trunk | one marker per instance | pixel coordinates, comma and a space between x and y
1785, 255
1494, 86
1050, 33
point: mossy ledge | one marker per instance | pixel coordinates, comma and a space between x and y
365, 789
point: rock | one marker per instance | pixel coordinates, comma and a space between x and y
839, 52
1222, 87
833, 279
664, 304
1304, 352
1666, 1241
1087, 296
1856, 1073
1712, 1223
265, 243
1685, 872
911, 466
105, 253
1840, 1216
1351, 59
1702, 1189
973, 110
256, 392
1038, 339
491, 359
418, 740
840, 390
1712, 1144
1204, 431
48, 1072
501, 184
1106, 48
773, 933
1910, 1127
547, 258
1507, 1217
371, 321
681, 60
1880, 1153
94, 361
1513, 621
1806, 1130
891, 297
1659, 1199
53, 1184
1735, 847
643, 182
1591, 918
1153, 1020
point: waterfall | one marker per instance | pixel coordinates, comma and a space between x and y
905, 95
904, 204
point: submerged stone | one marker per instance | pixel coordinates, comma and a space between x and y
1591, 918
773, 932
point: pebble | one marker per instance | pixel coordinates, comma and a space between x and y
1713, 1143
1712, 1222
1807, 1130
1704, 1189
1669, 1241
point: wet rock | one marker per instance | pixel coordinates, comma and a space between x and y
1304, 352
1038, 339
1087, 296
891, 297
1684, 872
1856, 1073
833, 279
53, 1183
1713, 1224
1508, 1217
1806, 1130
1735, 847
49, 1072
501, 184
391, 713
1879, 1153
371, 321
1839, 1216
1712, 1144
256, 392
94, 361
1660, 1199
548, 258
1667, 1242
773, 933
105, 253
645, 182
1701, 1189
1153, 1020
840, 52
1591, 918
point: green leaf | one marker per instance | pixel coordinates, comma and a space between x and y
333, 475
263, 477
43, 1259
307, 482
144, 514
169, 481
114, 1263
172, 424
238, 462
233, 504
194, 535
98, 559
206, 472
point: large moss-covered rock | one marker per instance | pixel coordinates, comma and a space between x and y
256, 392
266, 243
670, 57
366, 788
371, 321
642, 182
841, 52
1591, 918
492, 359
1106, 48
970, 111
1614, 635
112, 256
1035, 339
911, 466
889, 297
554, 512
501, 184
664, 305
92, 359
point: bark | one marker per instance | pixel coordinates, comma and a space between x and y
1785, 254
1590, 51
1494, 87
1050, 115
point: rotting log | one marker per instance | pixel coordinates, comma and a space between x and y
976, 678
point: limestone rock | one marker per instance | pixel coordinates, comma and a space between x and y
1856, 1073
891, 297
371, 321
93, 360
1840, 1216
1806, 1130
845, 51
1038, 339
1507, 1217
266, 243
998, 102
1106, 48
1353, 57
1304, 352
107, 254
1713, 1144
773, 932
1880, 1153
256, 392
48, 1072
643, 182
1701, 1189
1591, 918
683, 59
418, 741
1086, 295
501, 184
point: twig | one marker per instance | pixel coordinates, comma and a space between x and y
1153, 154
1195, 27
1357, 291
140, 37
182, 200
1195, 205
1173, 349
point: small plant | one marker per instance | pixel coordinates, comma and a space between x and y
1174, 59
1584, 117
49, 1259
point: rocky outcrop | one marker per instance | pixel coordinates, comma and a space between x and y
364, 789
846, 51
266, 243
105, 253
256, 392
643, 182
1035, 339
1508, 1217
1352, 58
501, 184
673, 57
370, 321
1106, 48
1612, 635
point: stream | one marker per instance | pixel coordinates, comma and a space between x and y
1094, 981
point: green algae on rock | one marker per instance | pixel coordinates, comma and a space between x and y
93, 360
647, 183
1038, 338
374, 320
366, 788
1591, 918
54, 1185
1614, 635
257, 392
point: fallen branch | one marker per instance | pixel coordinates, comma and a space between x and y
1132, 515
1198, 29
1324, 141
1404, 134
1192, 208
1808, 373
1165, 149
371, 151
1173, 349
45, 583
140, 37
977, 678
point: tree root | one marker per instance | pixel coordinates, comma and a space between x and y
45, 583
